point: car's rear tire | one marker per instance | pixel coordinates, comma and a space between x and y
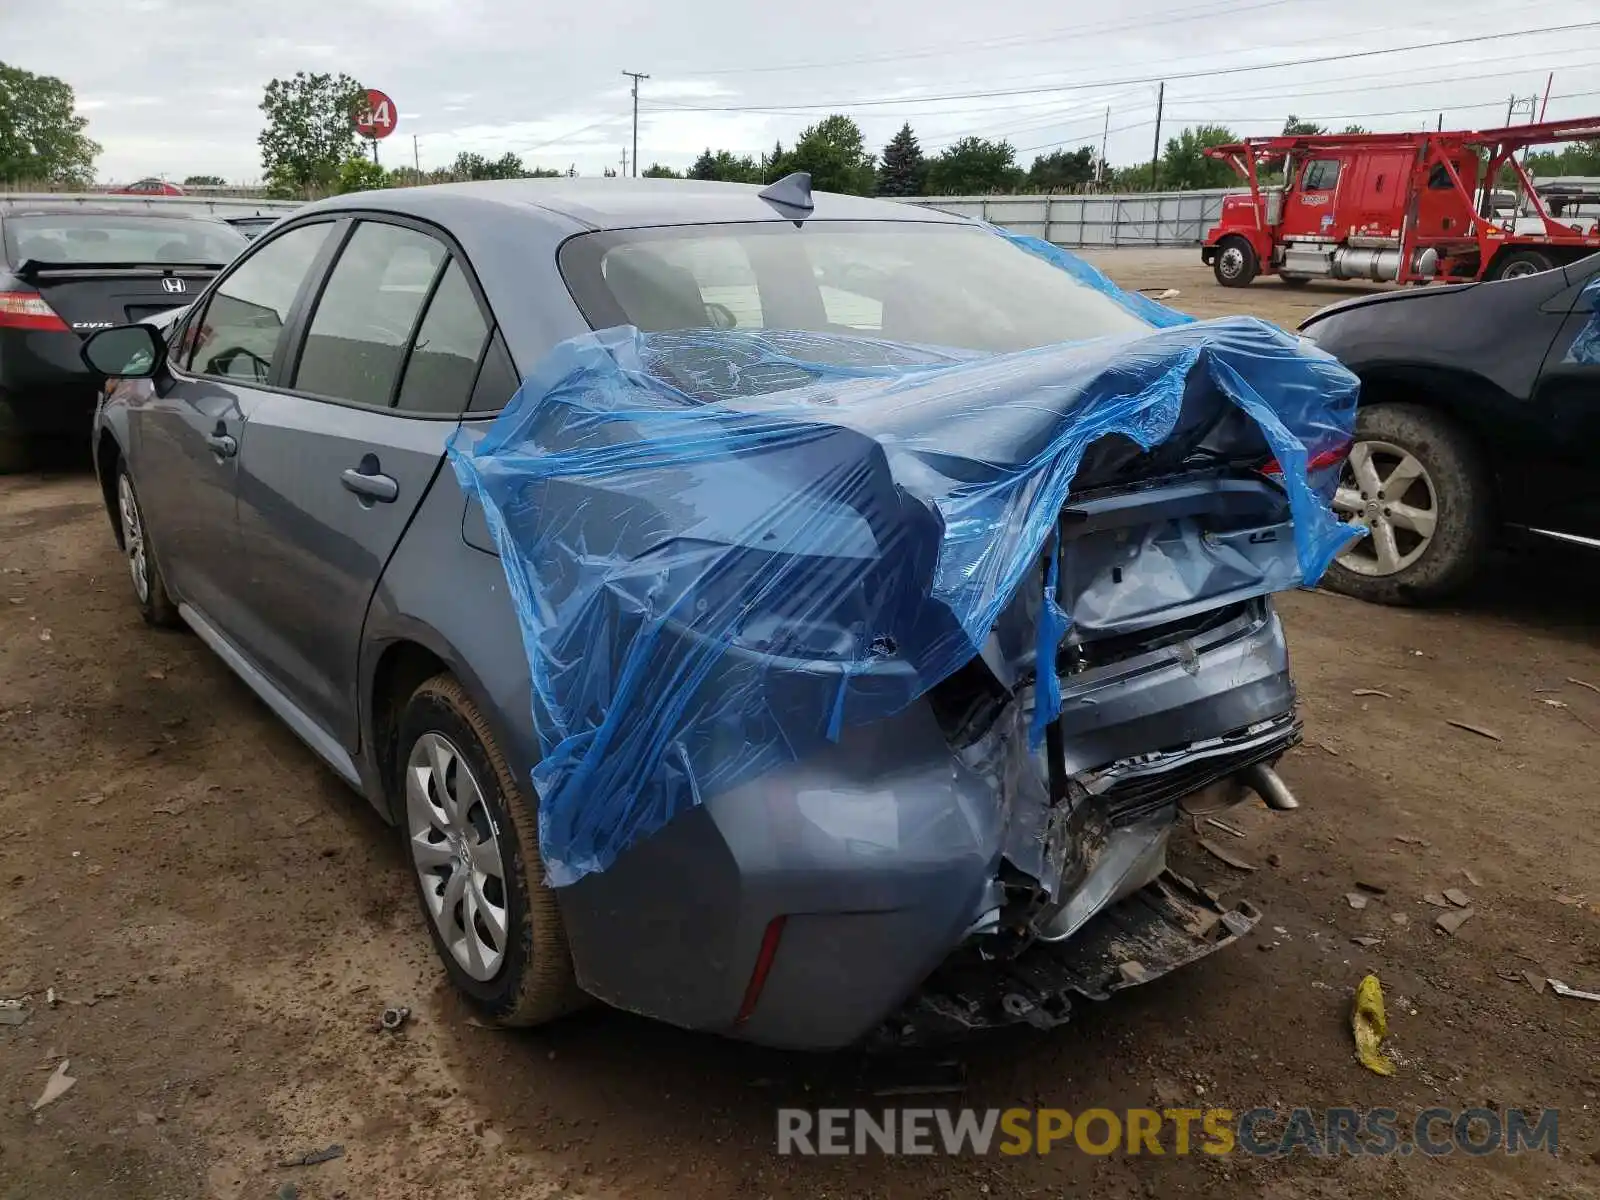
1235, 263
471, 837
14, 451
1519, 263
1420, 484
149, 588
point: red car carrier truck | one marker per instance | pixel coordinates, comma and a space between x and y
1394, 207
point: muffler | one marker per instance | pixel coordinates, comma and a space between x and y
1269, 785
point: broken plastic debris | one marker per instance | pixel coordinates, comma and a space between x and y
1562, 989
1477, 729
13, 1012
312, 1157
1453, 920
1470, 877
1410, 839
1457, 897
1582, 684
1219, 853
1226, 828
1535, 980
1355, 900
1371, 692
1366, 941
1435, 899
1370, 1026
55, 1087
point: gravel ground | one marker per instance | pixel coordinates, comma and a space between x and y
222, 922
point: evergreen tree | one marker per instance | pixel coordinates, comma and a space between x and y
903, 171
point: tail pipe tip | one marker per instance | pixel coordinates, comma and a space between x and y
1269, 785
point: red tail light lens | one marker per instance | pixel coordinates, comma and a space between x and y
758, 977
28, 310
1333, 457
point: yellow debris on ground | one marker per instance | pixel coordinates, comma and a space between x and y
1370, 1026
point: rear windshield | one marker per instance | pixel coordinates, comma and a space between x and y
82, 238
930, 284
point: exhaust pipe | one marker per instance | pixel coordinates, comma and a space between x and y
1269, 785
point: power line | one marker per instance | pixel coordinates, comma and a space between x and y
1167, 76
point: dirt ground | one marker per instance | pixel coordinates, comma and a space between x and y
222, 922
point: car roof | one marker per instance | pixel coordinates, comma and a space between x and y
101, 210
621, 203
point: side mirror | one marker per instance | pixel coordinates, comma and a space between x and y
125, 352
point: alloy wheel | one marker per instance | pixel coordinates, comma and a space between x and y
455, 849
1233, 262
133, 538
1386, 489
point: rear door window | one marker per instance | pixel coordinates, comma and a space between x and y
238, 338
444, 361
368, 310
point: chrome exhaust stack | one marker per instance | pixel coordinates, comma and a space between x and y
1269, 785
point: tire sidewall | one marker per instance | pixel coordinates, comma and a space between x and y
1460, 494
156, 607
431, 711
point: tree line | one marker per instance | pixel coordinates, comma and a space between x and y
309, 147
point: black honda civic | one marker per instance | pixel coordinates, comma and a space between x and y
69, 269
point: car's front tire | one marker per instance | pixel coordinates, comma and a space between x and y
472, 841
149, 588
1418, 482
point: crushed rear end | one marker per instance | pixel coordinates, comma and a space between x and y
870, 698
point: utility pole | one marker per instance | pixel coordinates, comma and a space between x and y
1439, 128
636, 76
1105, 133
1155, 151
624, 162
416, 155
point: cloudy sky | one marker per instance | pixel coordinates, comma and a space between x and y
171, 87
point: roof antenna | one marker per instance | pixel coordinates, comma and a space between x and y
791, 196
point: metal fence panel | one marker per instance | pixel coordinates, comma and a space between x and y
1133, 219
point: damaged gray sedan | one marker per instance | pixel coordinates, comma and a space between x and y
822, 651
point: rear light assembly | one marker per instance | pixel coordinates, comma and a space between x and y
1321, 461
758, 977
28, 310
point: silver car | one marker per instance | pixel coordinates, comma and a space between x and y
274, 466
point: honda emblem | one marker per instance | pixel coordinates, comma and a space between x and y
173, 284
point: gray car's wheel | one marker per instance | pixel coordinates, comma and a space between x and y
149, 588
471, 838
1419, 485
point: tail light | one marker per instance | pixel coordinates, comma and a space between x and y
1334, 456
28, 310
758, 977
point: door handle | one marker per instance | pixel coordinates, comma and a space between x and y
369, 487
222, 445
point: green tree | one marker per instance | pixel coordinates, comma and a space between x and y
1062, 169
1183, 166
204, 181
310, 132
902, 170
725, 167
41, 137
1351, 129
475, 166
832, 151
974, 166
1295, 127
358, 173
657, 171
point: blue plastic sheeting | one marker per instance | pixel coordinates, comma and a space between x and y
1585, 347
724, 547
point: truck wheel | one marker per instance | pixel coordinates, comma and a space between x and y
1419, 485
1519, 263
472, 839
1236, 263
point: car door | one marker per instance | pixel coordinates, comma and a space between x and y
1567, 401
334, 465
186, 432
